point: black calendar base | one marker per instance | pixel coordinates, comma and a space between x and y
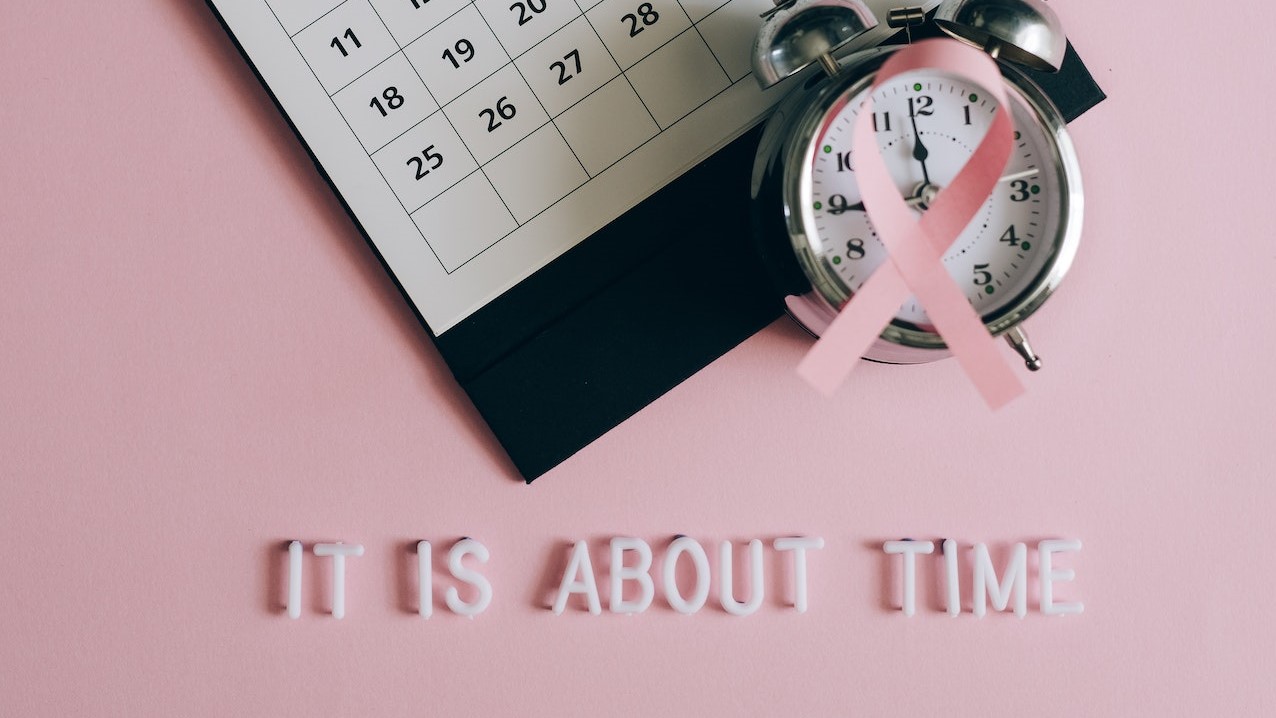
621, 319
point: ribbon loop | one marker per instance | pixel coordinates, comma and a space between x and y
917, 248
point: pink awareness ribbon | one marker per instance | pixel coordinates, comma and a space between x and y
917, 247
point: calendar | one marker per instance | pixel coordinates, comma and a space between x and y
477, 140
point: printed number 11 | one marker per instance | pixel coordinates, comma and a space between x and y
349, 35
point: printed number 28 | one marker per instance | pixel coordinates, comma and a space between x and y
646, 13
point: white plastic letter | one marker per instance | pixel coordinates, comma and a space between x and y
726, 589
909, 549
950, 572
1045, 553
799, 545
338, 551
581, 564
459, 551
1015, 578
294, 579
691, 547
424, 579
621, 573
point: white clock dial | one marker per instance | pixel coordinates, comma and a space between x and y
1005, 248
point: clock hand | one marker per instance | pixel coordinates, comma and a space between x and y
920, 153
1019, 175
859, 206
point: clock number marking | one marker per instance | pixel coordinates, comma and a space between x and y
563, 74
855, 249
427, 155
646, 12
844, 162
882, 125
528, 10
418, 4
1010, 237
967, 110
503, 108
838, 205
1021, 193
393, 101
464, 49
920, 106
982, 276
349, 35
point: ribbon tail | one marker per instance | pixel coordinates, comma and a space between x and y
849, 337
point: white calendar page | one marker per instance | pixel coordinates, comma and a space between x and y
477, 140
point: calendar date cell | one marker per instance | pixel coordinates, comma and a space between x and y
566, 67
344, 44
384, 103
456, 55
607, 125
632, 29
670, 102
463, 221
410, 19
496, 113
520, 24
426, 160
550, 161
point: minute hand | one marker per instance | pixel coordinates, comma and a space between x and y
920, 153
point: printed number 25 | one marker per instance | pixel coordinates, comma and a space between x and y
427, 155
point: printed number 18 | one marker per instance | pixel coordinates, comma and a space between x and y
393, 101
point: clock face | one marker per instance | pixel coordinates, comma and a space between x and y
927, 126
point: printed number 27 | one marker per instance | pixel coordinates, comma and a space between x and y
561, 66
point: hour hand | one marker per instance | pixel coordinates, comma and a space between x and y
837, 209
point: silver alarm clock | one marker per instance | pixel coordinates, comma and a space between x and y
808, 212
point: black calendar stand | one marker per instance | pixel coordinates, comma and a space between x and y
631, 312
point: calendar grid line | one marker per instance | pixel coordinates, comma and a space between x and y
426, 31
307, 26
364, 74
544, 109
696, 27
644, 57
493, 31
622, 70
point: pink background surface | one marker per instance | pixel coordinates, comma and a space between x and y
199, 359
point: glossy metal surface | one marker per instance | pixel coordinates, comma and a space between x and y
1025, 32
799, 33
